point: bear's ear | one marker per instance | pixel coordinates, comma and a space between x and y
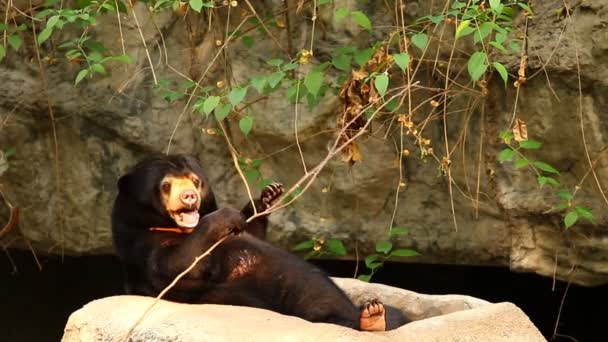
123, 183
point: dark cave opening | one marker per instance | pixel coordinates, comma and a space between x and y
36, 304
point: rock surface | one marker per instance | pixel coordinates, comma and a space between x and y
442, 318
105, 124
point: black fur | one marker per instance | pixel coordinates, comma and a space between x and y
242, 270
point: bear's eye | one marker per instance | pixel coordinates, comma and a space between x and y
196, 182
166, 187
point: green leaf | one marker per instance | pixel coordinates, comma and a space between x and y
221, 112
570, 219
477, 65
264, 183
11, 151
275, 78
463, 24
15, 41
523, 162
2, 52
304, 245
237, 95
530, 144
499, 46
585, 213
483, 31
247, 41
502, 71
259, 83
210, 103
251, 175
362, 56
436, 19
398, 231
275, 62
420, 40
52, 21
495, 5
500, 37
542, 180
122, 58
341, 13
361, 19
526, 8
371, 259
44, 35
402, 60
81, 75
335, 247
313, 82
98, 68
565, 195
506, 136
506, 155
384, 247
245, 124
289, 66
342, 62
404, 252
381, 84
545, 167
365, 277
196, 5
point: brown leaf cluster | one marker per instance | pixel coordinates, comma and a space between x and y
355, 95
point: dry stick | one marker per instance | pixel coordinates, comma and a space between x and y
143, 41
122, 39
445, 132
45, 88
295, 127
580, 107
197, 84
274, 39
170, 286
4, 34
314, 21
481, 137
409, 102
561, 304
233, 154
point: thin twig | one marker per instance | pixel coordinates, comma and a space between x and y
274, 39
295, 127
580, 107
143, 40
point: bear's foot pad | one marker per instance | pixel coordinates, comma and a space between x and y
372, 317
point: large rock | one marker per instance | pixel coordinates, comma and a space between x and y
103, 125
441, 318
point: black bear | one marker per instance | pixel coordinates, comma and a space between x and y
165, 215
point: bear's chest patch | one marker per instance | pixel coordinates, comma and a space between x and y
241, 264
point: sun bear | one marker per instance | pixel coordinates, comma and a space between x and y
165, 215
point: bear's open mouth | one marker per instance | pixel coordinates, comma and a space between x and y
186, 218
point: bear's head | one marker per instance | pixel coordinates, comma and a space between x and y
167, 190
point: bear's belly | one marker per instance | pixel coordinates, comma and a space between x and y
242, 264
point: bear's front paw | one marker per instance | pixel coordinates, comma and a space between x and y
230, 221
270, 195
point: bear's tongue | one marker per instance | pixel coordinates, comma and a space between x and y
187, 219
